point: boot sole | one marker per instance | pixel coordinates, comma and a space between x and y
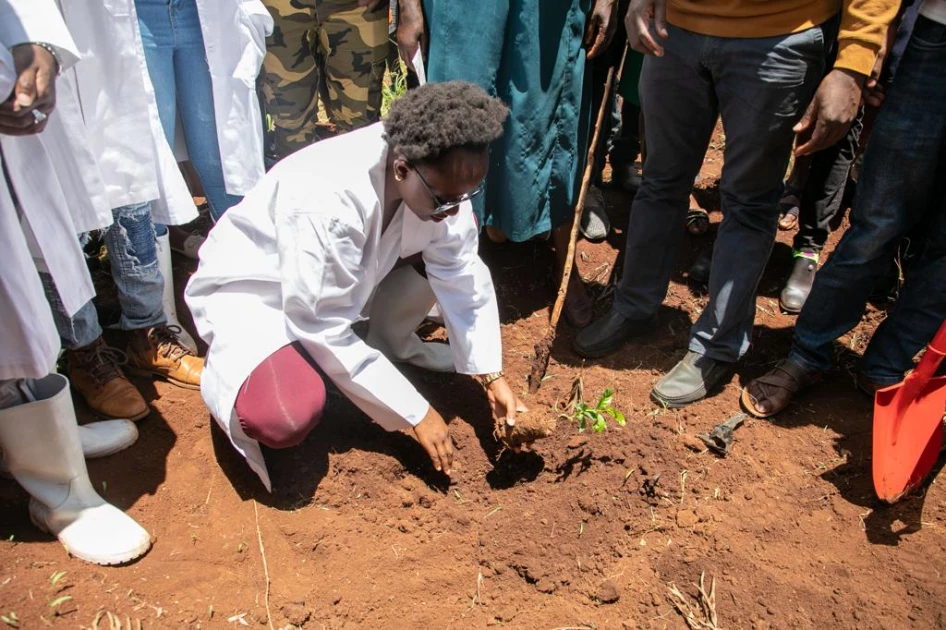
163, 377
790, 311
105, 561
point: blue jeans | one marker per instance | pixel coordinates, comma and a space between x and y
901, 187
137, 276
760, 87
177, 64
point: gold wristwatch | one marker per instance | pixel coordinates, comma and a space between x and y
489, 379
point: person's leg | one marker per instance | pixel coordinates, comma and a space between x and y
821, 199
290, 77
196, 107
93, 368
283, 398
134, 262
157, 39
919, 311
824, 189
679, 105
902, 176
77, 331
354, 43
763, 87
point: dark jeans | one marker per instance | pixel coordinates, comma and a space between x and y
823, 190
760, 87
902, 185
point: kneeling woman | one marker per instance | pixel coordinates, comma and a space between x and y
285, 274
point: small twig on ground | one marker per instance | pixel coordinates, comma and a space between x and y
211, 489
259, 536
697, 618
477, 598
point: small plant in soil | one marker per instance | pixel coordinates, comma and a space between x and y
594, 416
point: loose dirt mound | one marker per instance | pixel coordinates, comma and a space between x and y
588, 531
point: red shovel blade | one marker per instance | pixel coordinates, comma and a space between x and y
907, 437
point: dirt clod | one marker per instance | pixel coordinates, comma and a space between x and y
529, 427
687, 518
608, 592
693, 443
296, 613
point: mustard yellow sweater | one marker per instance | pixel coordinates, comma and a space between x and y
863, 22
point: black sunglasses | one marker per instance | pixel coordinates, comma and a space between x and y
442, 206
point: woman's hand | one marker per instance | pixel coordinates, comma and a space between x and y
434, 436
503, 402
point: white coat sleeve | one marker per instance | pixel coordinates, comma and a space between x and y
23, 21
464, 290
320, 262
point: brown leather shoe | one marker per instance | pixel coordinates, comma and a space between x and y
95, 372
158, 352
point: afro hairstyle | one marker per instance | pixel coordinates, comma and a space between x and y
428, 121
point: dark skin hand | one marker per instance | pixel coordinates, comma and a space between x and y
35, 88
637, 25
434, 436
373, 5
601, 27
411, 31
831, 111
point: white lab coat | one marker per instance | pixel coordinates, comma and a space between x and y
234, 34
38, 229
299, 259
118, 101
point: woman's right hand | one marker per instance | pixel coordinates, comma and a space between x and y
411, 31
434, 436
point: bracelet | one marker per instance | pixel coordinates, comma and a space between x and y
52, 51
489, 379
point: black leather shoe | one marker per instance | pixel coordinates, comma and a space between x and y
608, 334
690, 380
700, 271
798, 285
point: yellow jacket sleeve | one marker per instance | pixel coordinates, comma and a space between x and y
863, 30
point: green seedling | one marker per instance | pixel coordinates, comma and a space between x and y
596, 416
55, 577
11, 619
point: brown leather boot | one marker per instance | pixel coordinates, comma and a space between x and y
158, 352
95, 372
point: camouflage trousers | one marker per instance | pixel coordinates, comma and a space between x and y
331, 51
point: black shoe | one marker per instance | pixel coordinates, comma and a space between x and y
798, 285
700, 271
608, 334
690, 380
627, 175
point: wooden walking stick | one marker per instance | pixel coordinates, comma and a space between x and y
543, 349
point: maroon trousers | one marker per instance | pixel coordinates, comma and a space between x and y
283, 398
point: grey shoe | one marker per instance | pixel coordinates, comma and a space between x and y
690, 380
594, 220
798, 286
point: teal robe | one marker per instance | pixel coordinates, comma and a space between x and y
534, 61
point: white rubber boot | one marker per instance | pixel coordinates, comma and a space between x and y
401, 302
98, 439
167, 300
41, 445
106, 437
